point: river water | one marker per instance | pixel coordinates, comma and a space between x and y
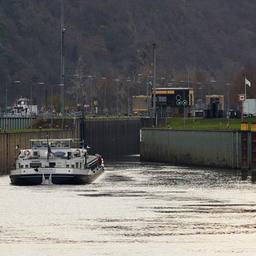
132, 209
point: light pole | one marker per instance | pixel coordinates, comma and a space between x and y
128, 95
62, 64
89, 91
154, 82
149, 93
228, 101
138, 83
117, 89
105, 94
6, 96
51, 106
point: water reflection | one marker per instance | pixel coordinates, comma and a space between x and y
133, 208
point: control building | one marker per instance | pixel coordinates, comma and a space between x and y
173, 101
215, 106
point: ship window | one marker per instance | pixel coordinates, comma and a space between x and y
67, 165
21, 166
73, 166
77, 165
26, 166
80, 165
35, 165
52, 164
35, 153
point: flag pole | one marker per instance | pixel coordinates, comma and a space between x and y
245, 89
244, 99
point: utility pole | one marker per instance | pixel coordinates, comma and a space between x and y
6, 96
245, 96
117, 95
128, 95
62, 64
154, 83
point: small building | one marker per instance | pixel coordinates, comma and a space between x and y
214, 106
140, 104
173, 101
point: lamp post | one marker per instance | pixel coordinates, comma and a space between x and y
149, 93
228, 101
89, 91
62, 64
154, 83
104, 96
138, 82
128, 95
117, 89
6, 96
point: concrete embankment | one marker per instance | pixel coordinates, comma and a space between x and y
203, 148
8, 142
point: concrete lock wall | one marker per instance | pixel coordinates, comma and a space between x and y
202, 148
111, 137
8, 142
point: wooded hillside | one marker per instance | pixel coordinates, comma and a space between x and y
202, 39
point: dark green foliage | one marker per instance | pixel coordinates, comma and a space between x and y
115, 37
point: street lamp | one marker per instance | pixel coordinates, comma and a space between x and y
149, 93
117, 89
89, 90
62, 64
154, 81
228, 98
128, 95
104, 96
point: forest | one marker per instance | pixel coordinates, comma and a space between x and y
207, 44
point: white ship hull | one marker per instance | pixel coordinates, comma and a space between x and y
54, 176
54, 161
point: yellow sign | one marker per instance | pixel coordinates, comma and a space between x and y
244, 126
165, 92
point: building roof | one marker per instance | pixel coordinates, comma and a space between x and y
174, 88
